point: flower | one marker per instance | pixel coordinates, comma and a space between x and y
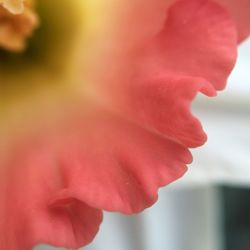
95, 107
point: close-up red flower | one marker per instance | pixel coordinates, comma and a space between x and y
95, 106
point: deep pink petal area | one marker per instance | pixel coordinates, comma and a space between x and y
30, 213
240, 11
115, 165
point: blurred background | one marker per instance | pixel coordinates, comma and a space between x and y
209, 208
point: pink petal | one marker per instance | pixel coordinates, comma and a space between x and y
113, 164
55, 183
163, 104
29, 212
198, 40
240, 11
193, 53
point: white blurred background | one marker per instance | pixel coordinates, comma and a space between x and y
191, 213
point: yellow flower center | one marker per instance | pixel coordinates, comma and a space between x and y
18, 20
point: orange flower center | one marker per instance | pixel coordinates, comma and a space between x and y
18, 20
